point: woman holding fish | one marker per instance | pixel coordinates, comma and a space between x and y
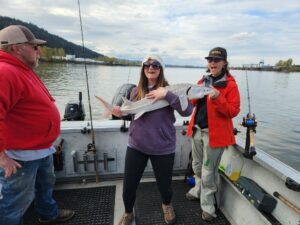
211, 129
152, 136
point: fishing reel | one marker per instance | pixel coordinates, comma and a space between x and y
250, 123
91, 147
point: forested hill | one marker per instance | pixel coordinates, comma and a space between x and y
53, 41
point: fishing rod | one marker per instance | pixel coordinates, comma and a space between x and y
91, 147
287, 202
250, 123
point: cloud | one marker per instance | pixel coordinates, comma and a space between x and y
180, 31
243, 35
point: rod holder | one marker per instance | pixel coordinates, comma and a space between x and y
86, 161
75, 160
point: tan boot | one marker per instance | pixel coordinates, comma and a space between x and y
169, 214
207, 217
191, 197
126, 219
63, 215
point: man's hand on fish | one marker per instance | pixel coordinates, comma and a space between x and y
116, 111
159, 93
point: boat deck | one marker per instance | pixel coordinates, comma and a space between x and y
101, 204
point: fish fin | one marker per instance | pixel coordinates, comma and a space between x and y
138, 115
183, 102
125, 101
107, 107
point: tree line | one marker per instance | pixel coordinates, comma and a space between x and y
53, 41
286, 65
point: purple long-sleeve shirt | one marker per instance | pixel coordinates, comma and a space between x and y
154, 132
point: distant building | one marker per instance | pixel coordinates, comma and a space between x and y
70, 57
261, 63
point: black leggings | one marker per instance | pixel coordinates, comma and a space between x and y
135, 163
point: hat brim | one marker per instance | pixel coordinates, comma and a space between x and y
37, 42
216, 57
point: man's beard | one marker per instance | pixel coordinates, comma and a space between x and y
36, 64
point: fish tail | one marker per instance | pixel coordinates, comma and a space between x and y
107, 107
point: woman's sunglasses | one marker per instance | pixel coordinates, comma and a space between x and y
154, 65
216, 60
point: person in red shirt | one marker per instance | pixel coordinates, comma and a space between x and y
211, 128
29, 124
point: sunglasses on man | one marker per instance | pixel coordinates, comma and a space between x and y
34, 46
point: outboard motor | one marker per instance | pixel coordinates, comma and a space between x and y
123, 91
75, 111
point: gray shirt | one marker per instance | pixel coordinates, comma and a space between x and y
29, 155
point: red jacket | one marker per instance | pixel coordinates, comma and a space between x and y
29, 118
220, 112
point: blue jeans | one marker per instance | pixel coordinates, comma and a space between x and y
35, 180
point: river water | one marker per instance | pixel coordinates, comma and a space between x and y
274, 99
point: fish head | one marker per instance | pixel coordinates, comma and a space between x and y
196, 91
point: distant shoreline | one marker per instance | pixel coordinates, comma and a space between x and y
268, 69
271, 69
111, 64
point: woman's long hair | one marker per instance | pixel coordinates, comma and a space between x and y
143, 83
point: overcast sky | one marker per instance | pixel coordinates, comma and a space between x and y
181, 31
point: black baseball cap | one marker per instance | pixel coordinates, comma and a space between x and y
217, 52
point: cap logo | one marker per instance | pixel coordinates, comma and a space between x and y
216, 53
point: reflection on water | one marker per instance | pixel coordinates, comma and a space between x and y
274, 99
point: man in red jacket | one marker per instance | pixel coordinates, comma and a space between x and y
29, 124
211, 129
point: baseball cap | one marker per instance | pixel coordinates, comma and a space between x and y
18, 34
156, 58
217, 52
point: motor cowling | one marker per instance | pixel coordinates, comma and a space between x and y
123, 91
74, 111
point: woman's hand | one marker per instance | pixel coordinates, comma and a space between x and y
214, 93
116, 111
157, 94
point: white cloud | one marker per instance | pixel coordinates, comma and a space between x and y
62, 12
180, 31
243, 35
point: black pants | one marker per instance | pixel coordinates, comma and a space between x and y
135, 163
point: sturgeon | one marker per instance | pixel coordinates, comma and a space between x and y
185, 91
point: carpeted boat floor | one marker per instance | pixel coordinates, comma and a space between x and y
93, 206
148, 206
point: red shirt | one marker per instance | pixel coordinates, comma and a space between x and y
220, 112
29, 118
